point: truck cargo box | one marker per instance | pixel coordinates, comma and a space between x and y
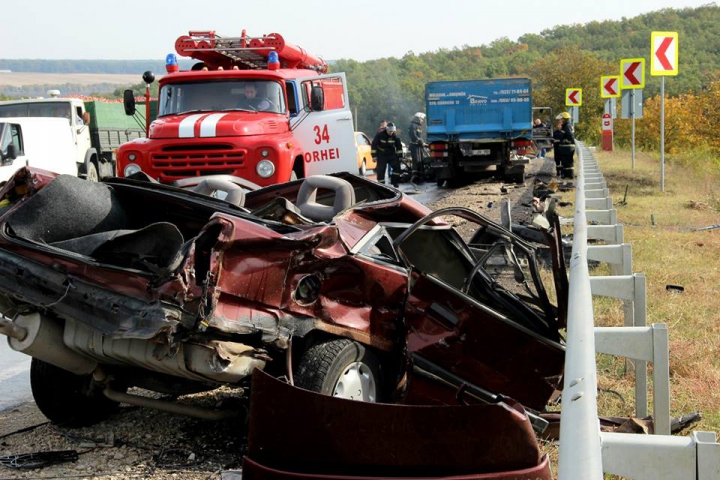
479, 110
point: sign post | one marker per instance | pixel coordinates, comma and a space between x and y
663, 62
632, 76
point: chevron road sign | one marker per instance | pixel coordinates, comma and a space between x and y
610, 86
573, 97
632, 73
664, 53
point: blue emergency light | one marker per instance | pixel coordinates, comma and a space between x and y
273, 61
171, 63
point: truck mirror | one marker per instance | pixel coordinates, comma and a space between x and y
11, 154
129, 102
317, 98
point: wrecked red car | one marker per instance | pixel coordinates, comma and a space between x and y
345, 286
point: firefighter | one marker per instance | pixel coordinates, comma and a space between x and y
564, 146
416, 147
387, 150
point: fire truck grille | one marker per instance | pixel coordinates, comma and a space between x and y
178, 161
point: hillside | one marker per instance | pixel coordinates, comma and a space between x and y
564, 56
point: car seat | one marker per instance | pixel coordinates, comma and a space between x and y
310, 208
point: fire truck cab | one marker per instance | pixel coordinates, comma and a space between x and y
255, 108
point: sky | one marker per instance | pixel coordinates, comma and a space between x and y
331, 29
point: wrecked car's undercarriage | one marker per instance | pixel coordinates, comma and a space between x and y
345, 286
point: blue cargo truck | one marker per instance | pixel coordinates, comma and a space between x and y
476, 124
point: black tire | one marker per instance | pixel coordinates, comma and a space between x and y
297, 171
439, 182
92, 173
363, 169
322, 366
67, 399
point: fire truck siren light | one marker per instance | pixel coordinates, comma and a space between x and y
273, 61
171, 63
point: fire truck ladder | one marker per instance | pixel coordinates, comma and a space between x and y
243, 52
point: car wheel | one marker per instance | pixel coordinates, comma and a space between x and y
92, 173
363, 169
67, 399
340, 368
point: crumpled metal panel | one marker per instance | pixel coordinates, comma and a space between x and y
294, 430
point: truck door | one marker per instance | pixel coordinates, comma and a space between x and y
80, 131
326, 136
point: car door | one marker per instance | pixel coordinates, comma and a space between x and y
326, 135
467, 332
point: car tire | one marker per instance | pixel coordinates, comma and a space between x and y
439, 182
363, 169
92, 173
340, 368
67, 399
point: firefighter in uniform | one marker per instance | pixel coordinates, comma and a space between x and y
416, 146
387, 150
564, 147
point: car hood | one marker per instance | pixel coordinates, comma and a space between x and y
218, 124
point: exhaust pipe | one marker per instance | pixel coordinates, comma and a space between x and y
42, 338
12, 329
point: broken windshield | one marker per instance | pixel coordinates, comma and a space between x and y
246, 95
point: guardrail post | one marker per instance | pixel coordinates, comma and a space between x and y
643, 344
631, 288
708, 455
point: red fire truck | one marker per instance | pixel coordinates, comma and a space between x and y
256, 108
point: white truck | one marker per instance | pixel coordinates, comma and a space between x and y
97, 128
45, 143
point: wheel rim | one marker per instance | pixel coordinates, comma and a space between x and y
92, 175
356, 383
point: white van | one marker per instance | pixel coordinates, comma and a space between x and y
45, 143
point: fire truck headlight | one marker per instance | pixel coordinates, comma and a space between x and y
131, 169
265, 168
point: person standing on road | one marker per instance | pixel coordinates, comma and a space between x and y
564, 148
416, 146
387, 150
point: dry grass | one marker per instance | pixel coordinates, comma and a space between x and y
659, 227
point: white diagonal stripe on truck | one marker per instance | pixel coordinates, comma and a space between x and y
187, 126
209, 124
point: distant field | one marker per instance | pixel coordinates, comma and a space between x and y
20, 79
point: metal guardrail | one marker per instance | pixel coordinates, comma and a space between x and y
586, 452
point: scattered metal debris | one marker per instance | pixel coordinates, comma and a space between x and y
709, 227
39, 459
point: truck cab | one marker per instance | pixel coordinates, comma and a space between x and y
268, 120
88, 162
38, 142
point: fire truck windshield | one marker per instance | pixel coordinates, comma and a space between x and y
216, 96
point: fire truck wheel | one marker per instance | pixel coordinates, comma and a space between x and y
67, 399
340, 368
